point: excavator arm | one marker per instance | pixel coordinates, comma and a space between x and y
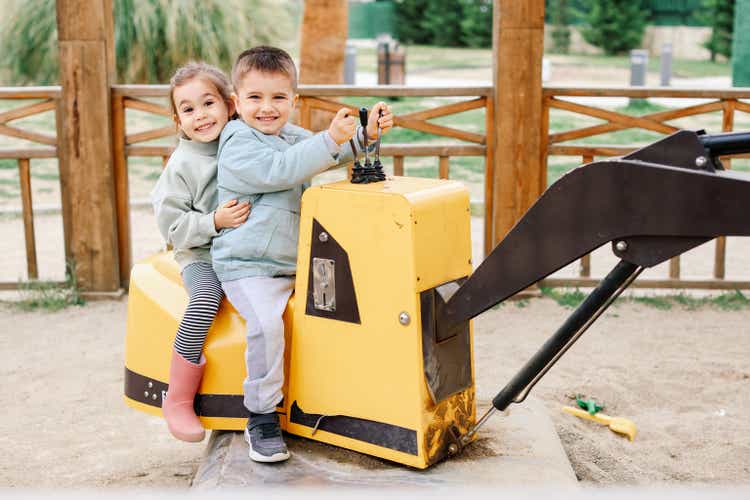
652, 204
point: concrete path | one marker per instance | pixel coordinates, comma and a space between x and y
519, 449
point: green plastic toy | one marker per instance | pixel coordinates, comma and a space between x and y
590, 405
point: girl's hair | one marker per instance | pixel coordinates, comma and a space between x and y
193, 70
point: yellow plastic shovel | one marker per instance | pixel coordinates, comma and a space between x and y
616, 424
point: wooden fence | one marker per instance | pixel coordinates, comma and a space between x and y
452, 142
43, 99
314, 98
726, 102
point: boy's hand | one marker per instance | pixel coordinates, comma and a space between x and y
343, 126
385, 121
231, 214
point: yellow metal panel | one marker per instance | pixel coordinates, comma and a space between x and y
402, 236
157, 301
374, 370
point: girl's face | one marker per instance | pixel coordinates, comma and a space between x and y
201, 111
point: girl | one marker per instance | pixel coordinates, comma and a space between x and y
185, 202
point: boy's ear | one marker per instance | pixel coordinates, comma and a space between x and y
231, 107
234, 98
295, 99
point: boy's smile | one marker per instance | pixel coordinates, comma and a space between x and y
265, 101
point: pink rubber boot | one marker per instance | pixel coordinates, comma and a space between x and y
184, 379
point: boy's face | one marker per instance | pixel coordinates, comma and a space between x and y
265, 101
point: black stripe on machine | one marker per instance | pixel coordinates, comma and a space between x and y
151, 392
389, 436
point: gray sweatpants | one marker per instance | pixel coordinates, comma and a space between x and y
261, 302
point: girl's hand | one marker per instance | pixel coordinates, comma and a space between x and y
231, 214
343, 126
385, 121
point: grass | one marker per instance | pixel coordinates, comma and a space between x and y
49, 296
729, 301
569, 299
681, 68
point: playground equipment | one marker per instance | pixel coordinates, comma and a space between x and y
379, 337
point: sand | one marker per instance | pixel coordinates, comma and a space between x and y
681, 375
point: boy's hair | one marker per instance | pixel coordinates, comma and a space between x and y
199, 69
266, 60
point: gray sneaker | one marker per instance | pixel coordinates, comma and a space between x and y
263, 434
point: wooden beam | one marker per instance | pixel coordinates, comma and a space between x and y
24, 173
122, 196
518, 42
85, 141
136, 90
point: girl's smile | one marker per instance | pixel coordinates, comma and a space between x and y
201, 111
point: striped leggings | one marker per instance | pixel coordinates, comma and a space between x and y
205, 293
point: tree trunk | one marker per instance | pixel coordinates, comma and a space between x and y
323, 41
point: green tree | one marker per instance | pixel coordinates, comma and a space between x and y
476, 23
442, 19
719, 15
152, 37
559, 13
616, 26
407, 14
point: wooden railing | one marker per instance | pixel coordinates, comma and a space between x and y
726, 102
43, 99
313, 98
451, 142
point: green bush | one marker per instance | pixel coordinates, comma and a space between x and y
447, 23
719, 15
442, 19
476, 23
152, 37
560, 14
615, 26
408, 28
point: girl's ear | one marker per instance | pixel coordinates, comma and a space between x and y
176, 120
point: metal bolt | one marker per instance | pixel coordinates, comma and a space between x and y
323, 237
150, 384
452, 448
145, 393
153, 396
701, 161
621, 246
404, 318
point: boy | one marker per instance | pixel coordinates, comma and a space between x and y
269, 162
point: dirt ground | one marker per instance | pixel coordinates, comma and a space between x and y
681, 375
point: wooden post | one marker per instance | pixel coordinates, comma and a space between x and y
323, 41
720, 254
518, 43
24, 173
86, 74
122, 192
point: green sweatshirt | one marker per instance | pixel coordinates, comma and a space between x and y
185, 199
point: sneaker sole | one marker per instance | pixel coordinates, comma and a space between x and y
257, 457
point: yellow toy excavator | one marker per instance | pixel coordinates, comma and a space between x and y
378, 333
